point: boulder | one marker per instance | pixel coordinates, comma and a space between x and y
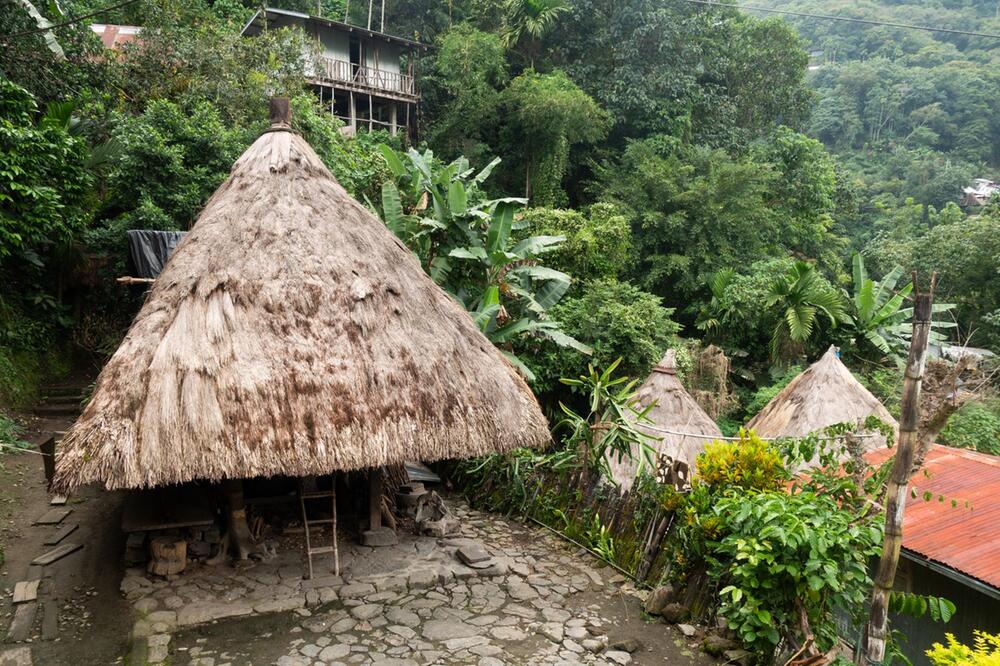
717, 645
659, 598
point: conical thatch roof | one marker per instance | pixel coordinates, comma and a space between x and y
291, 333
674, 409
825, 394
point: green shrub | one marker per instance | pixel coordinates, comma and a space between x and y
617, 320
985, 651
784, 552
747, 464
975, 426
597, 244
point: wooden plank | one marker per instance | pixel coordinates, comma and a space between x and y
50, 620
53, 516
26, 590
56, 553
61, 534
23, 622
58, 500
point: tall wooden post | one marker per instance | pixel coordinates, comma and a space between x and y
375, 499
899, 476
392, 119
239, 530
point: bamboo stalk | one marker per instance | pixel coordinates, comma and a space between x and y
899, 476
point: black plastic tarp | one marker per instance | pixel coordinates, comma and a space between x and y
149, 250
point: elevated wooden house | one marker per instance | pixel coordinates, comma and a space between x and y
365, 77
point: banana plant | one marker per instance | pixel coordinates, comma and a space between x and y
879, 317
466, 244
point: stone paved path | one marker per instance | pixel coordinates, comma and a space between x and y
541, 603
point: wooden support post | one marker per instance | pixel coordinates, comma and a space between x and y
392, 119
354, 114
408, 137
375, 499
239, 530
899, 475
370, 114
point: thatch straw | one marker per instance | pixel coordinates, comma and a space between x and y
674, 409
825, 394
291, 333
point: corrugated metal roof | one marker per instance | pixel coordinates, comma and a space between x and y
113, 36
964, 536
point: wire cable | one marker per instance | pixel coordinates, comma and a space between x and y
53, 26
849, 19
712, 438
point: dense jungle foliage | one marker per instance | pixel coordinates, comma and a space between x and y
596, 182
655, 174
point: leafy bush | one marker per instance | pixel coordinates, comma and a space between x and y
747, 464
985, 651
597, 244
785, 552
975, 426
10, 434
617, 320
43, 183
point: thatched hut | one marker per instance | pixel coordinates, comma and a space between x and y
825, 394
673, 409
292, 334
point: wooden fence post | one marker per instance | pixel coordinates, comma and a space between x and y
899, 476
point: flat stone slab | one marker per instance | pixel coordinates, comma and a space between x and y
23, 622
53, 516
56, 553
202, 612
383, 536
60, 534
25, 590
443, 630
18, 656
474, 555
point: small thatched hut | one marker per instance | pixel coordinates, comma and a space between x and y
292, 334
825, 394
675, 410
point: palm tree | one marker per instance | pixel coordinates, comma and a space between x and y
803, 295
528, 21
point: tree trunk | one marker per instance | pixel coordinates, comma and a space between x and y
899, 477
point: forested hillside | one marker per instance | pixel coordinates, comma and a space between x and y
678, 175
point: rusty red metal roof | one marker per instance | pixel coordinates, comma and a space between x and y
113, 36
959, 526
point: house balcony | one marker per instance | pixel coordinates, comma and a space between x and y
369, 80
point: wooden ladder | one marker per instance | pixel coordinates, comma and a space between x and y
309, 491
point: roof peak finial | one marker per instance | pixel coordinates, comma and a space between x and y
280, 112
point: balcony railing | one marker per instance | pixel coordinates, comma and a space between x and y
369, 77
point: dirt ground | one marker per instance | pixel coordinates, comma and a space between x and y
83, 586
506, 619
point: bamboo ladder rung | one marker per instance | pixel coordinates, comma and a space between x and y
308, 491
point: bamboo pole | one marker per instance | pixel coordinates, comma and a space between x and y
899, 476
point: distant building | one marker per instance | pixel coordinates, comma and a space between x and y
950, 550
979, 194
114, 36
365, 77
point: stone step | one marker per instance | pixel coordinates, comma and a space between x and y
56, 391
57, 410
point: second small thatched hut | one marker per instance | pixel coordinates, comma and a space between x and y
824, 395
674, 410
